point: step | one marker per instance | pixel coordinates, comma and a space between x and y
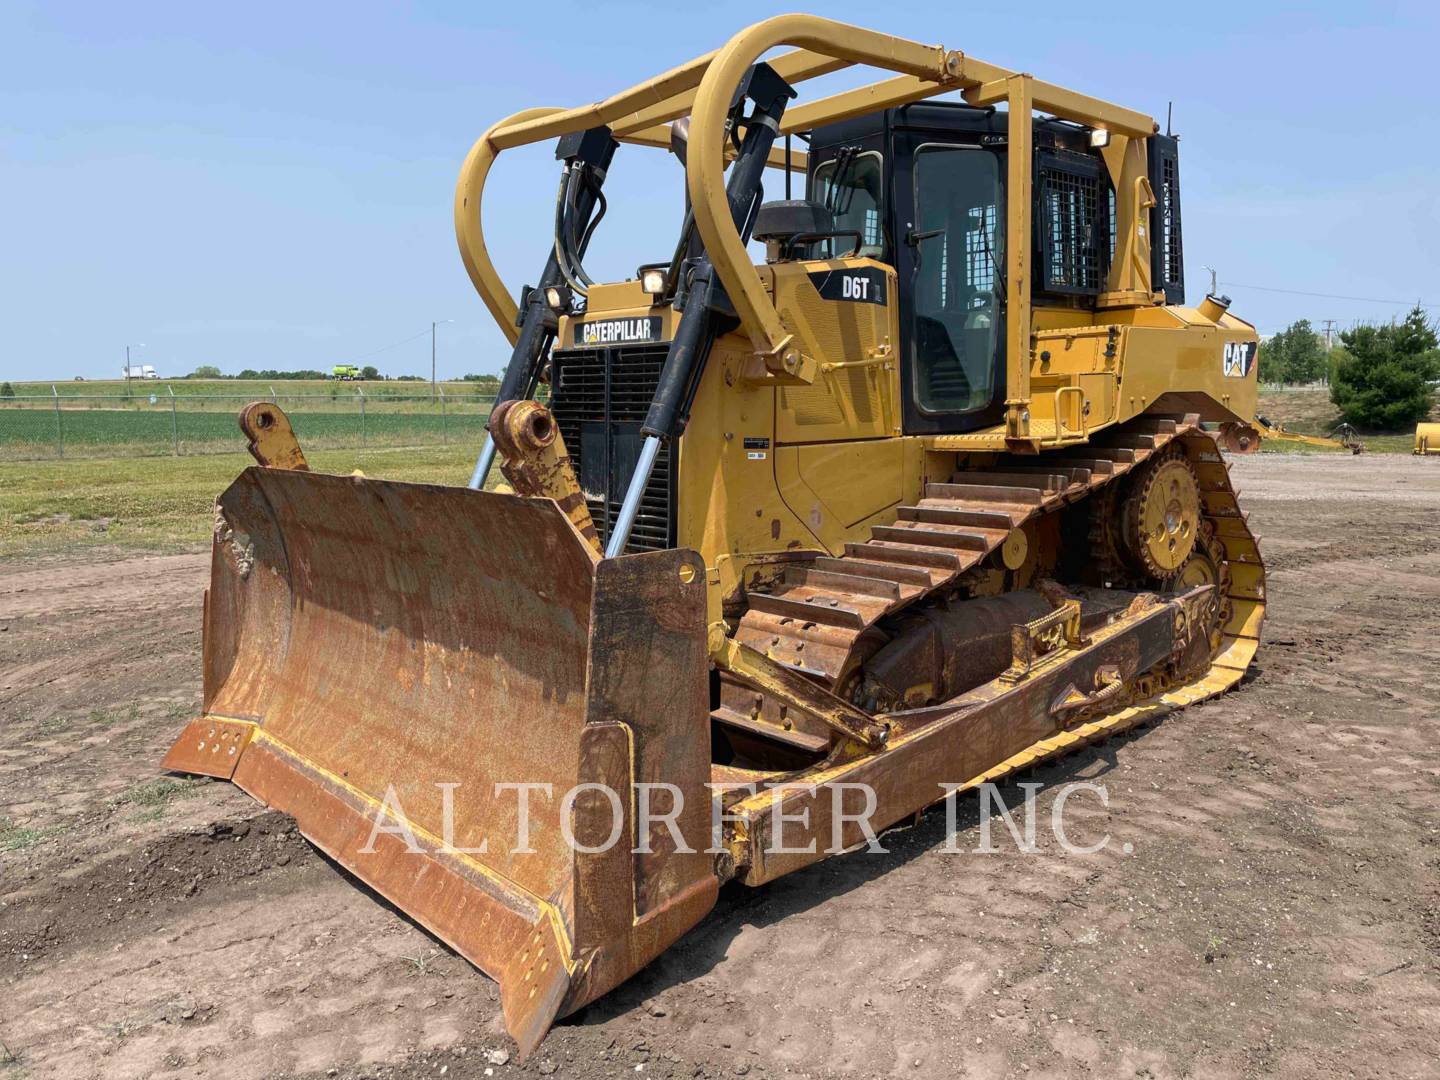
987, 493
807, 610
829, 580
913, 554
901, 575
944, 536
937, 514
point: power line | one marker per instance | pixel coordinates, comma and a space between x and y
394, 345
1329, 296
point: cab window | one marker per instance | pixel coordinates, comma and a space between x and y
958, 278
851, 185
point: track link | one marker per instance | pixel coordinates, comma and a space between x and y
822, 617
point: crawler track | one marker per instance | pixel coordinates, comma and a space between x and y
825, 617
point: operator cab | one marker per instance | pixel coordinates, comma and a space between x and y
923, 188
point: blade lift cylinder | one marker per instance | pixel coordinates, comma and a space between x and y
591, 151
707, 308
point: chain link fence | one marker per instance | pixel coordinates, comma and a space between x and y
156, 421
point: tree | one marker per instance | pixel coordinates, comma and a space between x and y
369, 371
6, 390
1293, 355
206, 371
1383, 379
270, 373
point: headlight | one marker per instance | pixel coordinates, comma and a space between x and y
654, 281
558, 299
1099, 137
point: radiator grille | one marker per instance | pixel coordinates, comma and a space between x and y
599, 397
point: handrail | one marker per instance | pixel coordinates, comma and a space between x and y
705, 172
1082, 430
703, 88
471, 234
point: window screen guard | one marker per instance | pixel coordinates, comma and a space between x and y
1072, 224
1167, 266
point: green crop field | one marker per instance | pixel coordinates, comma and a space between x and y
106, 491
166, 503
71, 432
326, 416
141, 389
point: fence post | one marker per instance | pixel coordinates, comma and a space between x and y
59, 424
273, 399
444, 435
174, 420
363, 437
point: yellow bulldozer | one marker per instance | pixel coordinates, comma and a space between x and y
784, 549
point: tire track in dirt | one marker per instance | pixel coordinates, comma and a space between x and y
1277, 913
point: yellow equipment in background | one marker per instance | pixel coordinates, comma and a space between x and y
1427, 439
1349, 438
922, 499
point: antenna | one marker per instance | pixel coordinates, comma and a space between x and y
1169, 112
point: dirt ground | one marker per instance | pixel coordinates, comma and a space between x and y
1269, 903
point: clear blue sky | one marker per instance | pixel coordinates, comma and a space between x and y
269, 185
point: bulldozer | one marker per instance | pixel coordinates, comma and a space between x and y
763, 553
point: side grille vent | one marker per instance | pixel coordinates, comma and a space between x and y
1072, 224
1167, 249
599, 398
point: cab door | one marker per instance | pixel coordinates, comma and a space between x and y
951, 263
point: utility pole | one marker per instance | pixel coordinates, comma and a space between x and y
1329, 334
433, 384
127, 365
1214, 286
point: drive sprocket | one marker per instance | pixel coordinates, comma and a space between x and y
1162, 517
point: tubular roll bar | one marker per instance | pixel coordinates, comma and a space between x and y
704, 88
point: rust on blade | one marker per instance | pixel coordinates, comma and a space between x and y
421, 675
514, 936
209, 746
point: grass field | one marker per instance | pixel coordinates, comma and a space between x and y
165, 504
332, 415
141, 389
27, 434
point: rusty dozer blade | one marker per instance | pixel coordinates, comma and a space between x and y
392, 664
